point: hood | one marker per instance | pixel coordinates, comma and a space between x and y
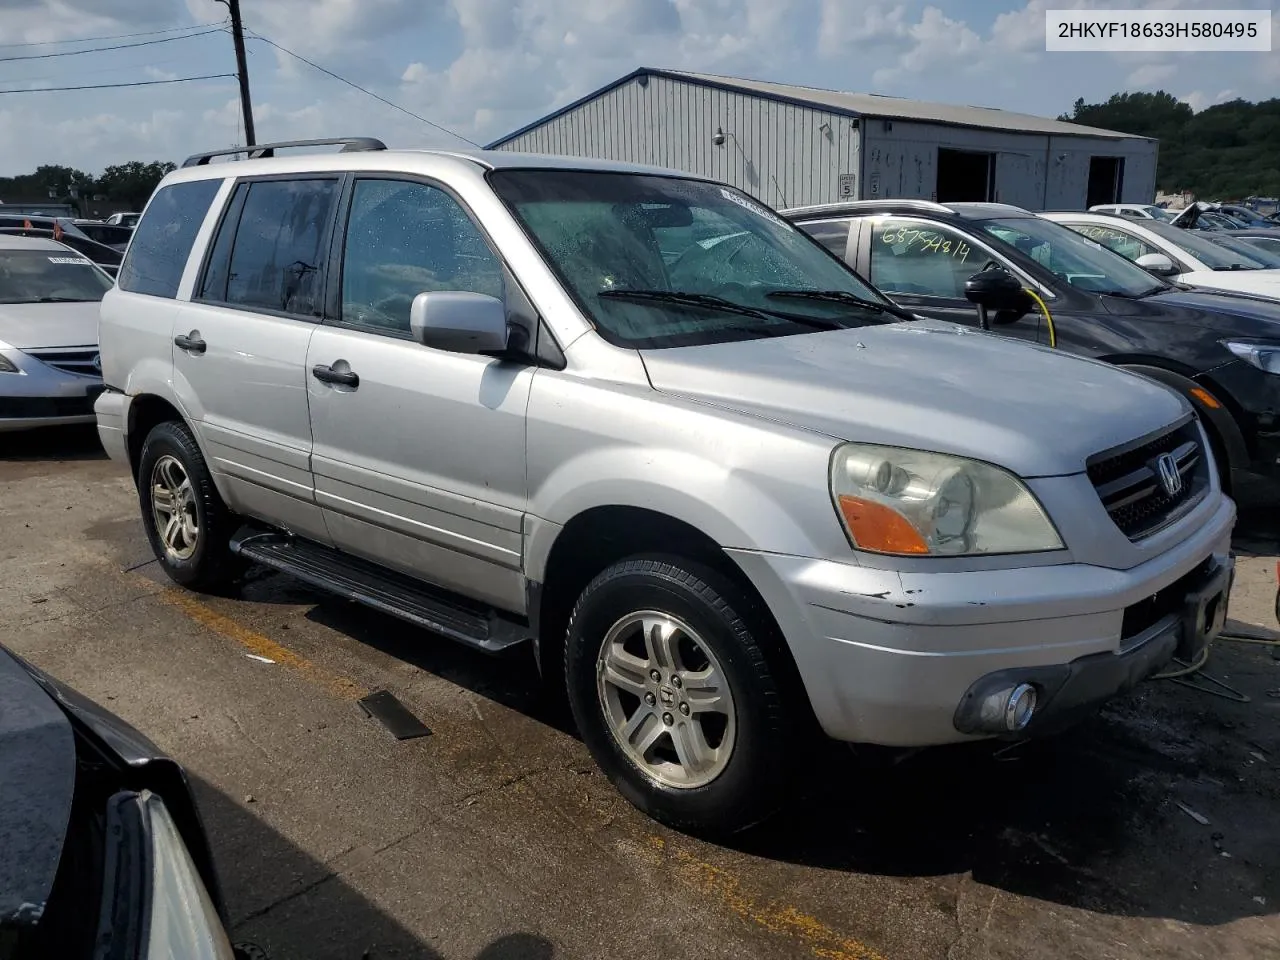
1237, 302
38, 757
1264, 283
30, 326
940, 387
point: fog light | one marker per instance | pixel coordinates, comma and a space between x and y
1019, 707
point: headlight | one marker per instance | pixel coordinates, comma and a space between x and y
911, 502
184, 922
1261, 353
7, 365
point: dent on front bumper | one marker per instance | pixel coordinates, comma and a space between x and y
39, 395
887, 657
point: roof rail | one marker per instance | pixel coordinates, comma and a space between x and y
349, 145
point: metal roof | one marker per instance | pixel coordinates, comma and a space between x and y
853, 105
410, 161
968, 210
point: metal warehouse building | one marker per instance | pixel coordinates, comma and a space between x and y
791, 146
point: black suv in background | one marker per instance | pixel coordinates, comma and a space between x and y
1221, 350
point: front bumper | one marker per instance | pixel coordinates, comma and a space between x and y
40, 395
889, 657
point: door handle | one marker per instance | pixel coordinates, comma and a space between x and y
326, 374
192, 344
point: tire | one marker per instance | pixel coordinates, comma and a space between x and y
740, 776
197, 554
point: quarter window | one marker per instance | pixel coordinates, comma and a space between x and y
832, 234
406, 238
163, 239
278, 248
924, 260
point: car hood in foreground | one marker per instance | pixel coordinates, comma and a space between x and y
931, 386
29, 326
37, 781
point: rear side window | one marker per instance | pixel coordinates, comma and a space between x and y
163, 240
278, 246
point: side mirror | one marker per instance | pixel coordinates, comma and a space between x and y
459, 322
998, 291
1157, 263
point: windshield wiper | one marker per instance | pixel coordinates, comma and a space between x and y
59, 300
840, 296
711, 302
1231, 268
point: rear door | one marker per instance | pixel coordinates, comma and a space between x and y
241, 345
923, 265
419, 453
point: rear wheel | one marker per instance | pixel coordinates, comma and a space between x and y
673, 695
187, 523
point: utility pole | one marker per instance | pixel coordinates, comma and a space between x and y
242, 70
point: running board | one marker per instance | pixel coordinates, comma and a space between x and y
355, 579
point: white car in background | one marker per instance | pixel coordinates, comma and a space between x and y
50, 371
1133, 211
1186, 256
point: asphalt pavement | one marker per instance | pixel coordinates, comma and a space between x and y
494, 837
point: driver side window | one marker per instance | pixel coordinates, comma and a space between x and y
922, 259
403, 239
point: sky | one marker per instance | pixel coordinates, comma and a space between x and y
482, 68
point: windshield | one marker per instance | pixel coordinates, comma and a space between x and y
646, 256
1242, 246
1079, 261
1210, 252
49, 276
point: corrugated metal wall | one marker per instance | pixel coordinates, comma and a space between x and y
777, 152
901, 162
784, 155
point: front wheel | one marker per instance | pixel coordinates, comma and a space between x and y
673, 695
187, 523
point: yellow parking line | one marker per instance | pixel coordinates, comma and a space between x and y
261, 645
721, 885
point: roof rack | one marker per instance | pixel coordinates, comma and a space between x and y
258, 151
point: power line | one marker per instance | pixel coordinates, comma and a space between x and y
114, 36
117, 46
431, 123
115, 86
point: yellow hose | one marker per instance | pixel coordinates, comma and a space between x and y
1048, 317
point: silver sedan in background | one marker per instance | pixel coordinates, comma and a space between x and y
50, 371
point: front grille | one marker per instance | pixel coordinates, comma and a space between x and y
1129, 483
83, 361
29, 408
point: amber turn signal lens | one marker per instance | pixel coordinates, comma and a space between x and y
876, 527
1205, 397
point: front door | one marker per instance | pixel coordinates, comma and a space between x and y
420, 454
240, 347
923, 266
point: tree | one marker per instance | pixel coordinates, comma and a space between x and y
1224, 152
133, 181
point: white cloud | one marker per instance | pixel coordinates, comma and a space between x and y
484, 67
1152, 75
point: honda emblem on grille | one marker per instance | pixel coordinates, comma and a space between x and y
1168, 475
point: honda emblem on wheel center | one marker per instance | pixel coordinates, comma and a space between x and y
1167, 472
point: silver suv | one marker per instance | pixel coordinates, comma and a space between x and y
725, 487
